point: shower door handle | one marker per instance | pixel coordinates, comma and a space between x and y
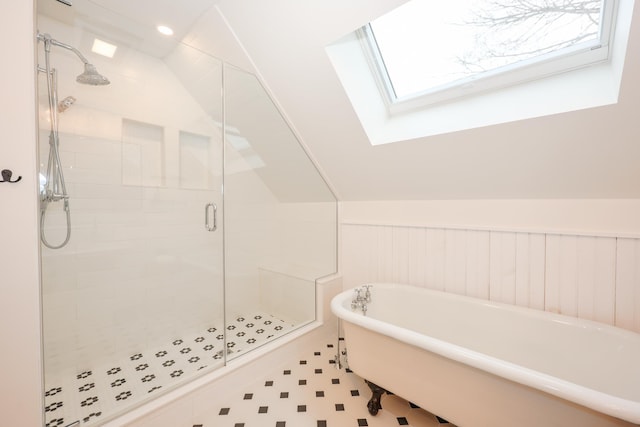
210, 207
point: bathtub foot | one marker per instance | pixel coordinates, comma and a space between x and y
374, 403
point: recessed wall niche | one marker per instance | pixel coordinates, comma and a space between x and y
143, 159
195, 161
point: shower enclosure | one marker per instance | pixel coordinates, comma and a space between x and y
151, 273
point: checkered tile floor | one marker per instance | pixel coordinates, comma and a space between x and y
311, 392
91, 394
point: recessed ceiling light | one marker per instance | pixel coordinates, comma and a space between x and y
163, 29
103, 48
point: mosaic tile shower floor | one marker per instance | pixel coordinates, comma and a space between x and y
311, 392
86, 396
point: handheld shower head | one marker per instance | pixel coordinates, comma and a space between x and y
91, 76
66, 103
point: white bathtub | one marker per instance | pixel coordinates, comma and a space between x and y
478, 363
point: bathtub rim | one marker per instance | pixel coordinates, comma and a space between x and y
619, 407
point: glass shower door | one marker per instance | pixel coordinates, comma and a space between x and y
133, 302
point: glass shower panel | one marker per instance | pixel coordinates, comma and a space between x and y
133, 303
280, 219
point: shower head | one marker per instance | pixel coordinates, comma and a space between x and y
91, 76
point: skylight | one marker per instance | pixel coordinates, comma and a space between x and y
438, 50
585, 74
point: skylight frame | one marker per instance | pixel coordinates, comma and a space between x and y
564, 60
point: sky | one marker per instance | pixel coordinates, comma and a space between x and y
421, 41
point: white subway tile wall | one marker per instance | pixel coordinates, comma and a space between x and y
591, 277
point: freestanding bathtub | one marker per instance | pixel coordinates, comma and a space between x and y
479, 363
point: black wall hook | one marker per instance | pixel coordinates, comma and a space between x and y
6, 176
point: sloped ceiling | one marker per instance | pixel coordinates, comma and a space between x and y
592, 153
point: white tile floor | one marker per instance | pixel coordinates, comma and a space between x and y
308, 391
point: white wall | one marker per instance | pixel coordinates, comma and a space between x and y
20, 369
575, 257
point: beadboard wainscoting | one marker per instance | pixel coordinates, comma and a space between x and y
591, 277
